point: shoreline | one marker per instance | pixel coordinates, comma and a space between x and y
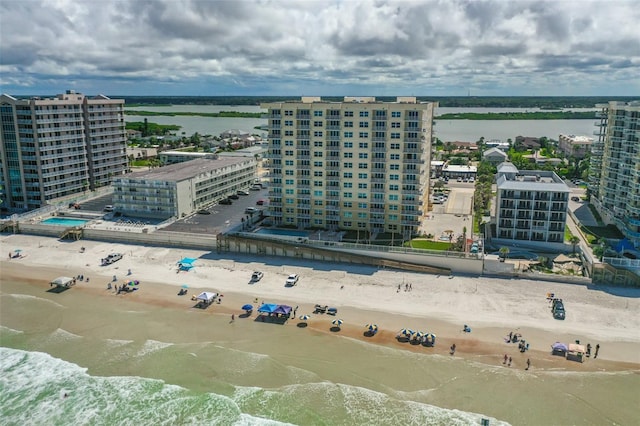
362, 295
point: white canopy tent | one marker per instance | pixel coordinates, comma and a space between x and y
207, 297
63, 282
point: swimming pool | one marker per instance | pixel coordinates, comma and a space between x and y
282, 232
58, 221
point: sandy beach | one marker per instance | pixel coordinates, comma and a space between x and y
441, 305
164, 321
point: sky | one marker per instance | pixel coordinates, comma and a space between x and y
315, 48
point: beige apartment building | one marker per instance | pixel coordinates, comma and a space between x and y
360, 164
614, 171
574, 146
56, 147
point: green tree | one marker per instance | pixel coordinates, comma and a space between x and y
574, 242
504, 252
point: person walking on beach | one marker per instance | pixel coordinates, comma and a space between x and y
233, 317
453, 349
528, 364
509, 365
595, 355
505, 358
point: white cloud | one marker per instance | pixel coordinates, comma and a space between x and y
286, 47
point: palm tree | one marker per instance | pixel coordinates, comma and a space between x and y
574, 242
504, 252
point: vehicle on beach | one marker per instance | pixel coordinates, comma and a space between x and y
558, 309
292, 280
112, 258
256, 276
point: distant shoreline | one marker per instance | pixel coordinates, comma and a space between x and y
538, 115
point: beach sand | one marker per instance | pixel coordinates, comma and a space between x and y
440, 305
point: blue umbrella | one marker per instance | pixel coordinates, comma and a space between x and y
305, 317
185, 286
247, 307
337, 322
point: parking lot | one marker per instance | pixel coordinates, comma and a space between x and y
221, 217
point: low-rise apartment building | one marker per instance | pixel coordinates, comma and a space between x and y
531, 206
181, 189
574, 146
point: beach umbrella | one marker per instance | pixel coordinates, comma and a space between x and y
420, 335
371, 327
18, 250
247, 307
305, 317
337, 322
185, 286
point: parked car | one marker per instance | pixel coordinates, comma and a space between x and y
576, 199
112, 258
250, 210
108, 208
256, 276
226, 201
260, 202
243, 192
292, 280
459, 179
558, 309
255, 188
234, 196
203, 211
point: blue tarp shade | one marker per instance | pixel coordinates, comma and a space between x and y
268, 308
283, 309
624, 245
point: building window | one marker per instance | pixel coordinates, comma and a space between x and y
396, 114
364, 124
348, 113
364, 113
317, 113
348, 134
348, 124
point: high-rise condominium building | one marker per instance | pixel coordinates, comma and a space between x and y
55, 147
359, 164
614, 172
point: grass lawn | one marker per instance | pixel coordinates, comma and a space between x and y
428, 245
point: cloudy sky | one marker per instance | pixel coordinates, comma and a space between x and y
270, 47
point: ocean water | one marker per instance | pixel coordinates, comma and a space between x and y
39, 389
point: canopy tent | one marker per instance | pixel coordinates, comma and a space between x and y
559, 349
268, 308
186, 263
207, 296
283, 309
62, 282
557, 346
247, 307
576, 352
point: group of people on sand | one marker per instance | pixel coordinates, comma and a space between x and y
513, 337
